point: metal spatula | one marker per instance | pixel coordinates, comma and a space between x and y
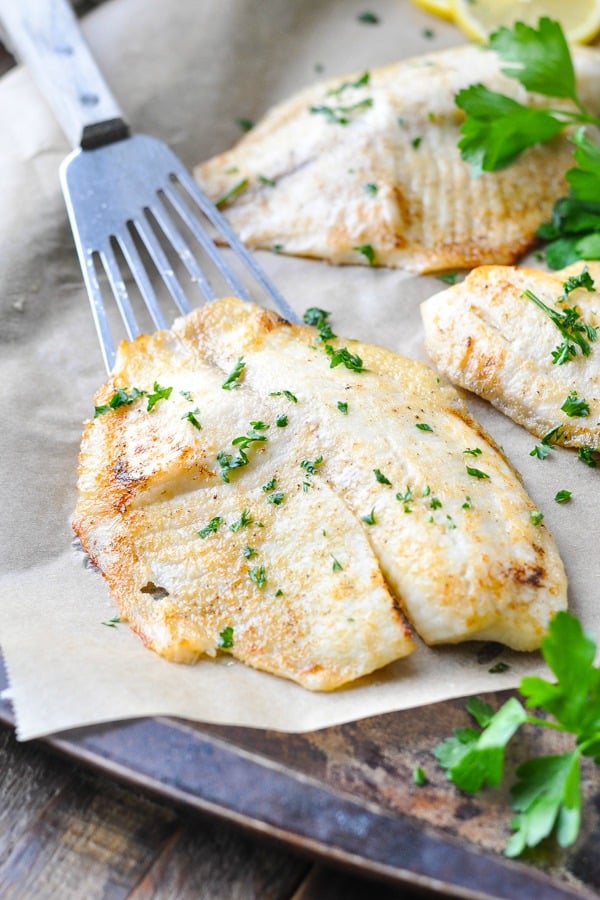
132, 204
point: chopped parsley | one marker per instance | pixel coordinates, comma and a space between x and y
227, 461
562, 496
121, 397
341, 115
232, 193
264, 180
226, 638
536, 517
112, 622
269, 485
498, 668
370, 517
367, 251
575, 406
435, 503
416, 141
370, 188
575, 332
158, 393
249, 552
342, 356
405, 498
541, 451
211, 528
258, 576
476, 473
245, 125
233, 379
585, 454
311, 467
419, 776
287, 394
380, 477
473, 451
191, 417
317, 318
368, 18
423, 426
337, 566
468, 504
448, 277
277, 498
361, 81
281, 421
244, 520
343, 407
187, 395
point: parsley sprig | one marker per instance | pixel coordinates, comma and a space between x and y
547, 793
497, 129
575, 332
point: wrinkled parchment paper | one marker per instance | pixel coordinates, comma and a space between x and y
187, 72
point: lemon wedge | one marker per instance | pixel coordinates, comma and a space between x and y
579, 19
442, 8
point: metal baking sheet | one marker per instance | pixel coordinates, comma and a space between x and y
346, 796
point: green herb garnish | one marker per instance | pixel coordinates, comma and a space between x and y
233, 379
380, 477
575, 406
258, 576
232, 193
423, 426
191, 417
277, 498
121, 397
536, 517
367, 251
370, 517
212, 527
226, 638
244, 520
343, 407
476, 473
562, 496
547, 794
342, 356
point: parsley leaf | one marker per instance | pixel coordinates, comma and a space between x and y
562, 496
121, 397
258, 576
226, 638
191, 417
212, 527
342, 356
476, 473
367, 251
233, 379
576, 333
546, 795
158, 393
380, 477
542, 57
575, 406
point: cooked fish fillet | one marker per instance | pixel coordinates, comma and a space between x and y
373, 512
484, 335
391, 178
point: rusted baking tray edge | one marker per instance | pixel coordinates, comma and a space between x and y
197, 771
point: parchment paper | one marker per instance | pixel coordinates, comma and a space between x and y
186, 72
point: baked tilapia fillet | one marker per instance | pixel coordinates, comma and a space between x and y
292, 499
365, 169
487, 335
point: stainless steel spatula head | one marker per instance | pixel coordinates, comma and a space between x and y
137, 214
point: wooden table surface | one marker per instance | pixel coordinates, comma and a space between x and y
67, 833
